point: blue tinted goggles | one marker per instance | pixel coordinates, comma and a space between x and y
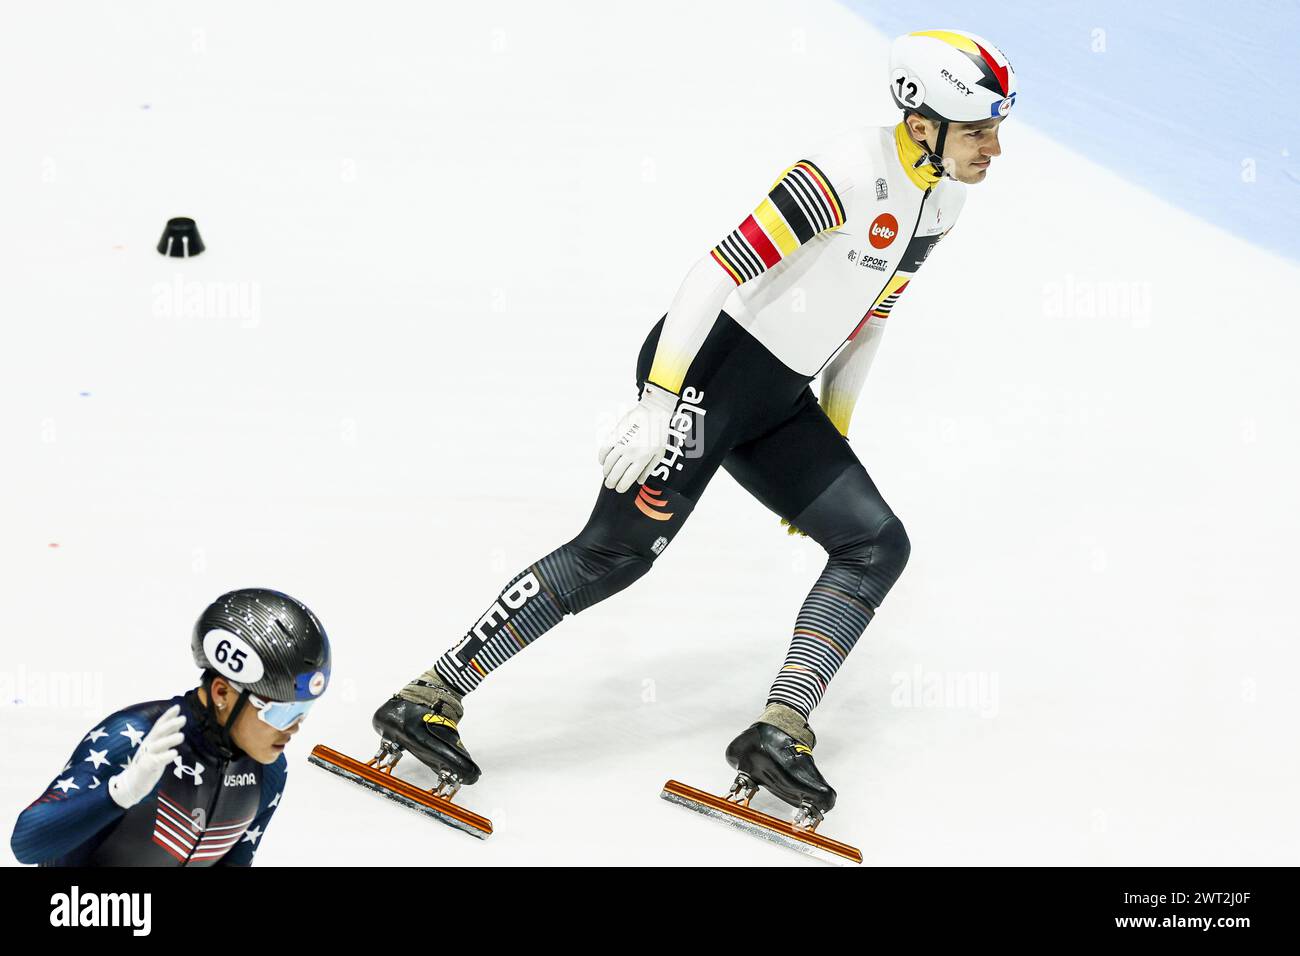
280, 714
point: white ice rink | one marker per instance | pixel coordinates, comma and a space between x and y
437, 236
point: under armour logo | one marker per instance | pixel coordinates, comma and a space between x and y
196, 771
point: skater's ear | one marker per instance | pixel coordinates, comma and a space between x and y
922, 129
223, 698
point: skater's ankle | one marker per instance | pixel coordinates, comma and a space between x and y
790, 721
431, 690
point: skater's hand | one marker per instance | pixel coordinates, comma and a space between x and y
630, 452
156, 751
791, 529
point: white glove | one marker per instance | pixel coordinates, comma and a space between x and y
156, 751
630, 452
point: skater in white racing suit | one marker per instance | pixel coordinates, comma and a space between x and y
802, 289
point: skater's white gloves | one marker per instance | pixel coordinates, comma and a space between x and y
156, 751
630, 452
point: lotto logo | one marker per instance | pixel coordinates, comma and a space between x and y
883, 230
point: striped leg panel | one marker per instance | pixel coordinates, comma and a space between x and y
503, 631
832, 618
571, 578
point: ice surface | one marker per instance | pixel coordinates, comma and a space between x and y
443, 234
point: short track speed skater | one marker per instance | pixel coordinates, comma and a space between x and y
766, 756
430, 734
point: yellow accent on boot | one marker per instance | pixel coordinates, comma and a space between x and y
801, 749
440, 720
434, 692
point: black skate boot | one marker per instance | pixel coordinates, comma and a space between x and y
428, 732
421, 718
766, 755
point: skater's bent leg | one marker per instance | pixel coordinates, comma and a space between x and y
620, 542
867, 549
806, 472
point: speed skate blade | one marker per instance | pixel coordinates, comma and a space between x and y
395, 788
760, 824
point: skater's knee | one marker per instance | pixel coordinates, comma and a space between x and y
885, 537
892, 544
617, 545
596, 568
880, 551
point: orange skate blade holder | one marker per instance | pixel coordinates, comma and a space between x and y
387, 784
742, 816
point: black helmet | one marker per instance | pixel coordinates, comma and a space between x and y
265, 642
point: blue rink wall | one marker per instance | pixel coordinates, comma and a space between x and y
1197, 101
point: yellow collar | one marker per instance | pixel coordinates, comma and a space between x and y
923, 176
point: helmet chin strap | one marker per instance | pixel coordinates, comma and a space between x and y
935, 156
215, 732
